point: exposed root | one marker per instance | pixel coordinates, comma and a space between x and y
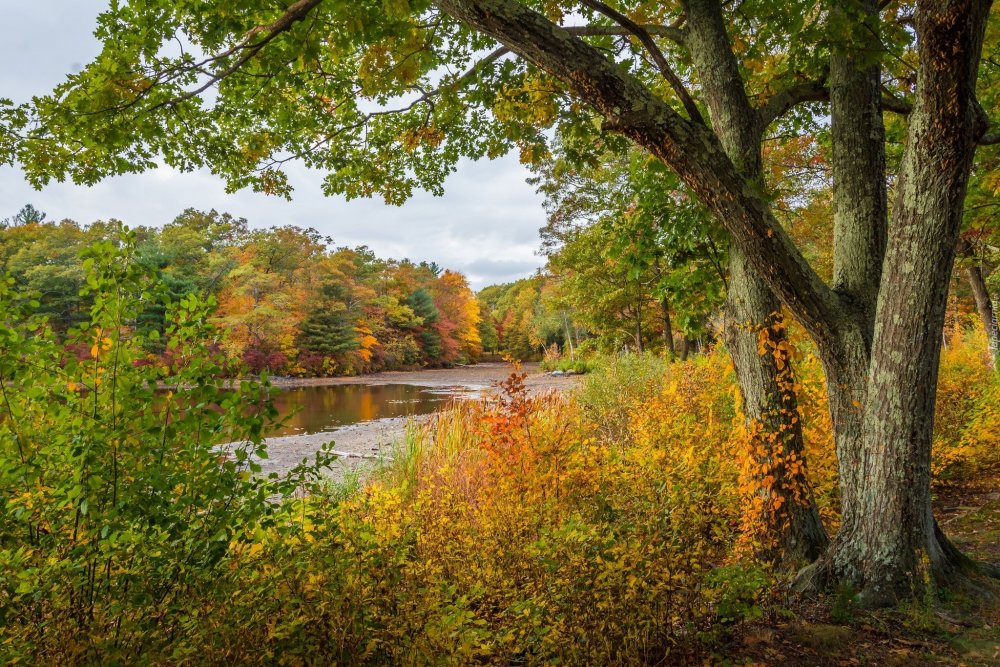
991, 570
951, 568
814, 578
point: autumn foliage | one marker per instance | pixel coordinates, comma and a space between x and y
619, 524
288, 302
524, 529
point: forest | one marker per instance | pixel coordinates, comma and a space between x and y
287, 302
770, 248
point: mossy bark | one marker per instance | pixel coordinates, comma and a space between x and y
752, 311
889, 546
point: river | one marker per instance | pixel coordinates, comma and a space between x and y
365, 415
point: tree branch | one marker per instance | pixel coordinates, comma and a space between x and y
781, 102
670, 32
692, 150
989, 139
654, 52
891, 102
295, 13
673, 33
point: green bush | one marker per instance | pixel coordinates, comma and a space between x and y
615, 385
119, 509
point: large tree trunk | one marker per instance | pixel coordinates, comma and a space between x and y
890, 545
860, 218
753, 331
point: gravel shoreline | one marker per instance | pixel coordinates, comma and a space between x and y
364, 444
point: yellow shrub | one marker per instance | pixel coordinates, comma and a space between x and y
508, 532
967, 414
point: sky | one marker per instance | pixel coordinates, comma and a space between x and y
486, 224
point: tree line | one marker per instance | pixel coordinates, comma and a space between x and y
286, 301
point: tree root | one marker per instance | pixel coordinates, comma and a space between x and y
954, 569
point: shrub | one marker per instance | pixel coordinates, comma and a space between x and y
615, 386
967, 412
506, 531
119, 512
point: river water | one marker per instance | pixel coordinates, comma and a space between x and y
320, 409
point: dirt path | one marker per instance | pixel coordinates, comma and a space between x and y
365, 444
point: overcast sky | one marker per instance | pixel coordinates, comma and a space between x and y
486, 225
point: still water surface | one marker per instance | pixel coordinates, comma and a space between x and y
320, 409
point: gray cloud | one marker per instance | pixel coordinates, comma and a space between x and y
485, 225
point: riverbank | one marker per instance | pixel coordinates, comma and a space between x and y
479, 376
364, 444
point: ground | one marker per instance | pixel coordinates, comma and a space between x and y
959, 629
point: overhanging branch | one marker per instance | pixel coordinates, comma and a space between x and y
654, 52
692, 150
780, 103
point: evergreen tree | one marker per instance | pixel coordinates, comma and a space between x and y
423, 307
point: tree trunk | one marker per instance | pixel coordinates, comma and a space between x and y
987, 313
890, 546
668, 331
640, 348
754, 334
860, 218
569, 337
755, 337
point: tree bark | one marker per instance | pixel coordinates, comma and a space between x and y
858, 161
891, 545
860, 220
754, 334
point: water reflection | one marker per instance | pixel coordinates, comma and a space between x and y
318, 409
